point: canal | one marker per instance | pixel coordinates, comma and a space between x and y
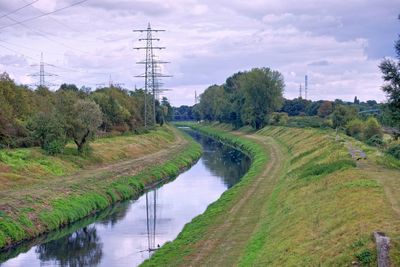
129, 232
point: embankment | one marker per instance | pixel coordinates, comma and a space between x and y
304, 202
45, 205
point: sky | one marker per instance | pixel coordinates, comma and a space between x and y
338, 44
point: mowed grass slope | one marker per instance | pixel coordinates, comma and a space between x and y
24, 166
31, 209
315, 208
324, 209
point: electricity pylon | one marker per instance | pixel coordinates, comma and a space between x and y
42, 74
152, 74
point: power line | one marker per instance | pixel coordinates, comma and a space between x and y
43, 15
62, 24
151, 71
46, 37
18, 9
15, 51
42, 74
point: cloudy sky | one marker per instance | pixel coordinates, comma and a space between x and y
338, 44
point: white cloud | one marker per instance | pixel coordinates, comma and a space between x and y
209, 40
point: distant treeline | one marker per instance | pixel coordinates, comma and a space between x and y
52, 118
254, 98
301, 107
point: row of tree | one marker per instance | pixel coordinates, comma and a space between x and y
53, 118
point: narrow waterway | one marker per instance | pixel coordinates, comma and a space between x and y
127, 233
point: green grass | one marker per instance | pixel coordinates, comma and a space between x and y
85, 201
321, 212
27, 164
320, 208
194, 231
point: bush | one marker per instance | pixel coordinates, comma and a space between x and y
375, 140
49, 130
327, 123
307, 121
394, 150
365, 257
54, 147
279, 118
355, 128
372, 127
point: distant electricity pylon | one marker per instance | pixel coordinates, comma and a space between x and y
152, 72
110, 83
300, 91
42, 74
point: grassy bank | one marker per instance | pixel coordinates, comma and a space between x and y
27, 166
320, 210
34, 216
174, 253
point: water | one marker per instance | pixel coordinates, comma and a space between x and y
127, 233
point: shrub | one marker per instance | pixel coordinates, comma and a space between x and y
365, 257
49, 130
375, 140
355, 128
278, 118
372, 127
394, 150
327, 123
54, 147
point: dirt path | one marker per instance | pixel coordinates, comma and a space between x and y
227, 240
98, 173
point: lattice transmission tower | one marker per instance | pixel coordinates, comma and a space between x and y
42, 73
152, 73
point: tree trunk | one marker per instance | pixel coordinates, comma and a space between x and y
80, 143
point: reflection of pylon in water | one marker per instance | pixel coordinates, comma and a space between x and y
151, 219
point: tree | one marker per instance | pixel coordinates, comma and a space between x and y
355, 128
87, 117
167, 110
48, 129
391, 75
325, 109
262, 91
342, 115
69, 87
372, 128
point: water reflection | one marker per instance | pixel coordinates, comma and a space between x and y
151, 219
223, 161
128, 233
82, 248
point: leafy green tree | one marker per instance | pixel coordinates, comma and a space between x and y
69, 87
372, 128
263, 89
391, 75
166, 109
48, 129
342, 115
296, 106
86, 118
355, 128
